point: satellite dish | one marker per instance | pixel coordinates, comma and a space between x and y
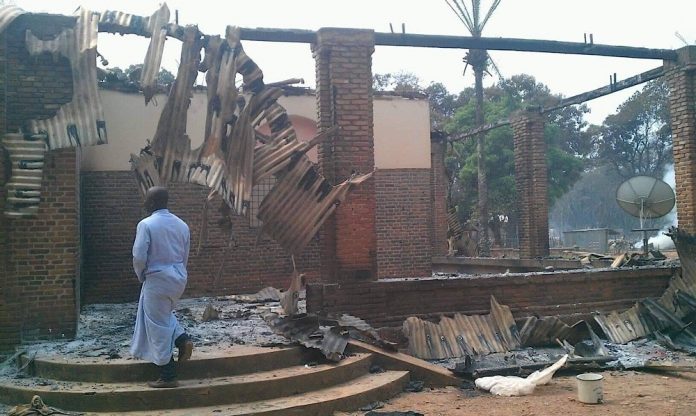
645, 197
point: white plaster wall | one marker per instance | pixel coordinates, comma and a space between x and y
402, 133
401, 128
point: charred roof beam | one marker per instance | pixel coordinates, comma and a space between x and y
468, 42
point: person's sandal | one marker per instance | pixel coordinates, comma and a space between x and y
186, 350
161, 384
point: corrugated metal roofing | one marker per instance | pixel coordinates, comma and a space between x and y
27, 161
651, 315
455, 228
300, 202
538, 332
154, 27
8, 14
81, 121
463, 335
305, 329
230, 161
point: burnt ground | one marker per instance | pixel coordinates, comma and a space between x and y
105, 331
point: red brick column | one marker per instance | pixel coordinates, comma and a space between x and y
438, 191
344, 97
681, 78
531, 180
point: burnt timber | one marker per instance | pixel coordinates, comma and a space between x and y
468, 42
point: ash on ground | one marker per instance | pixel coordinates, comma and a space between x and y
632, 355
105, 330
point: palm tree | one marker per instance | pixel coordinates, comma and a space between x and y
479, 61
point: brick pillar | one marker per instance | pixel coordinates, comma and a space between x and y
438, 192
344, 97
681, 78
531, 180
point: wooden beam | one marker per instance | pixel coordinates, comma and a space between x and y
608, 89
481, 129
468, 42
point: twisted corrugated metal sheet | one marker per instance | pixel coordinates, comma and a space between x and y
154, 27
539, 332
231, 161
305, 329
27, 161
81, 121
300, 202
453, 225
8, 14
650, 315
463, 335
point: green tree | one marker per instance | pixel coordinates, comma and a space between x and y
509, 95
400, 82
443, 105
638, 138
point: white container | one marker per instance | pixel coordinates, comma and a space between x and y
590, 388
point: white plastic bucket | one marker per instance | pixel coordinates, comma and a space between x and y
590, 388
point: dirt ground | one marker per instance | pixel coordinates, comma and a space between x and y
625, 393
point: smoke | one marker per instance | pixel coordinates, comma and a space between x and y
661, 241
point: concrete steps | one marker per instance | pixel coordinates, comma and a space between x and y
240, 381
346, 396
224, 362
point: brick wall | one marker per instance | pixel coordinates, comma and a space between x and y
344, 97
390, 302
39, 257
42, 258
111, 211
531, 181
438, 193
681, 78
403, 222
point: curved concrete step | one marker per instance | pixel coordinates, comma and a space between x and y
347, 396
224, 362
123, 397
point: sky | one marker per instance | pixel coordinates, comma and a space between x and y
617, 22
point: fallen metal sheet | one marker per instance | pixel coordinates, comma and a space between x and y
8, 14
300, 202
266, 294
666, 313
463, 335
538, 332
305, 329
81, 121
26, 154
362, 331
